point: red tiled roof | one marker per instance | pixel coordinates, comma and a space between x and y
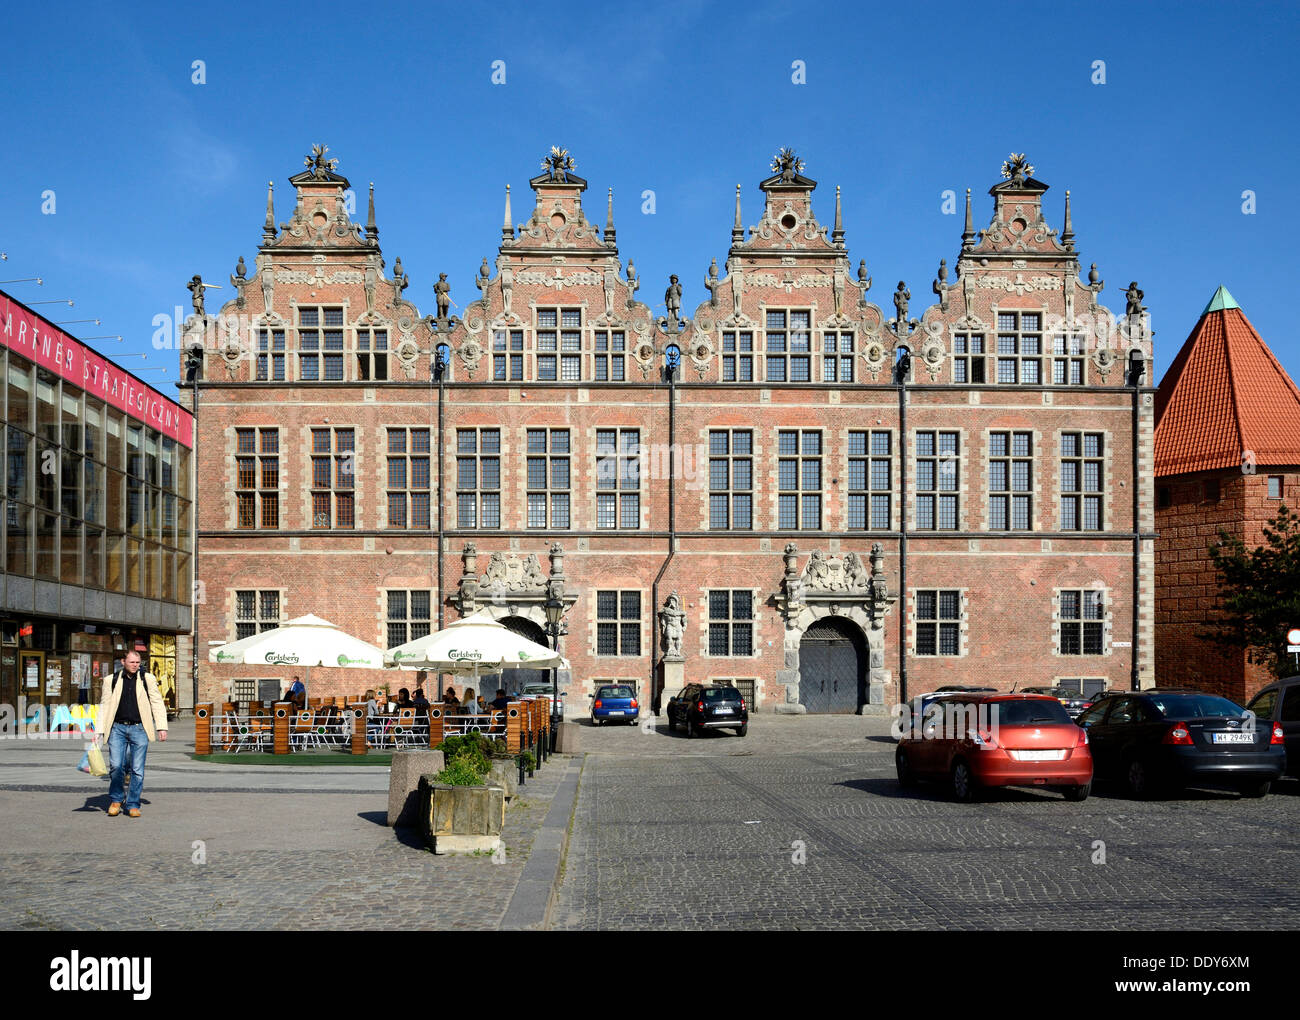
1225, 395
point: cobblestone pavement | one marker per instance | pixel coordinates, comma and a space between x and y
288, 848
702, 834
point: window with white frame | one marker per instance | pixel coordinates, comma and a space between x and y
610, 361
257, 478
618, 478
937, 476
737, 356
1081, 474
408, 478
1020, 347
799, 480
372, 354
731, 622
731, 479
1067, 360
968, 358
789, 345
409, 615
320, 343
1011, 481
508, 355
478, 478
559, 344
870, 480
333, 478
618, 623
255, 612
270, 355
548, 478
938, 627
837, 356
1083, 614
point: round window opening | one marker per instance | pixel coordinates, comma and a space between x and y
788, 221
319, 219
1018, 226
557, 220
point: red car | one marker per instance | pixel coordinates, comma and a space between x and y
982, 740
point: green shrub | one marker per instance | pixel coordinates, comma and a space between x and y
529, 761
465, 769
474, 743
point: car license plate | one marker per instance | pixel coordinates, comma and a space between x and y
1039, 755
614, 712
722, 711
1234, 738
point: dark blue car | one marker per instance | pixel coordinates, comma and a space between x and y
615, 702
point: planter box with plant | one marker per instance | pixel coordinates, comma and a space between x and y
458, 812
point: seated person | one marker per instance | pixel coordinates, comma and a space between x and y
404, 699
372, 706
449, 699
470, 705
420, 703
500, 702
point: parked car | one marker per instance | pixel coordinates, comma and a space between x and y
1073, 701
1172, 738
986, 740
708, 707
538, 689
1280, 703
615, 702
924, 701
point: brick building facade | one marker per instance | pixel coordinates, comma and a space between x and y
850, 506
1227, 455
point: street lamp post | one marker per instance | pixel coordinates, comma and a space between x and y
554, 614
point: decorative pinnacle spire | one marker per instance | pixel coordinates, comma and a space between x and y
507, 228
968, 234
1067, 233
372, 231
268, 228
609, 218
837, 235
737, 231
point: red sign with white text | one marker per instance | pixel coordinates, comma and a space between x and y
31, 336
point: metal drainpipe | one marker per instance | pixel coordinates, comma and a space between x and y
672, 535
442, 385
1134, 678
903, 448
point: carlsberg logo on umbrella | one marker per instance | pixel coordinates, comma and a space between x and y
462, 655
281, 658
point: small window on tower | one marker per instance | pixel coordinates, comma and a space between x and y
1274, 486
1164, 497
1212, 491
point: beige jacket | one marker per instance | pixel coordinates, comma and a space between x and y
146, 697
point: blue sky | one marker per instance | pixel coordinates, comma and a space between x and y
156, 178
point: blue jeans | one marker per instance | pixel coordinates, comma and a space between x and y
127, 746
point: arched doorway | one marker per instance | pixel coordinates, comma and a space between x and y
832, 667
513, 680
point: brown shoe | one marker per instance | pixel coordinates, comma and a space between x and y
114, 809
133, 813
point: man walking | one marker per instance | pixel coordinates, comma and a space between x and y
131, 712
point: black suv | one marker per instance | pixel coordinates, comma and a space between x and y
708, 707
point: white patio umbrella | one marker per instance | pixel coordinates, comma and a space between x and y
306, 641
475, 643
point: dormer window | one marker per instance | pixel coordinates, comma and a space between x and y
320, 343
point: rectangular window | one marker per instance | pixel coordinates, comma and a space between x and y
937, 622
967, 358
737, 356
1082, 622
255, 612
731, 479
618, 623
372, 354
408, 478
870, 480
548, 478
611, 346
937, 473
618, 478
1020, 347
257, 478
333, 468
1081, 472
789, 345
508, 355
408, 616
478, 478
1067, 360
320, 351
1275, 486
1011, 472
270, 355
799, 480
837, 357
731, 622
559, 348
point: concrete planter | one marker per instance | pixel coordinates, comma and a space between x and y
460, 819
404, 783
505, 774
